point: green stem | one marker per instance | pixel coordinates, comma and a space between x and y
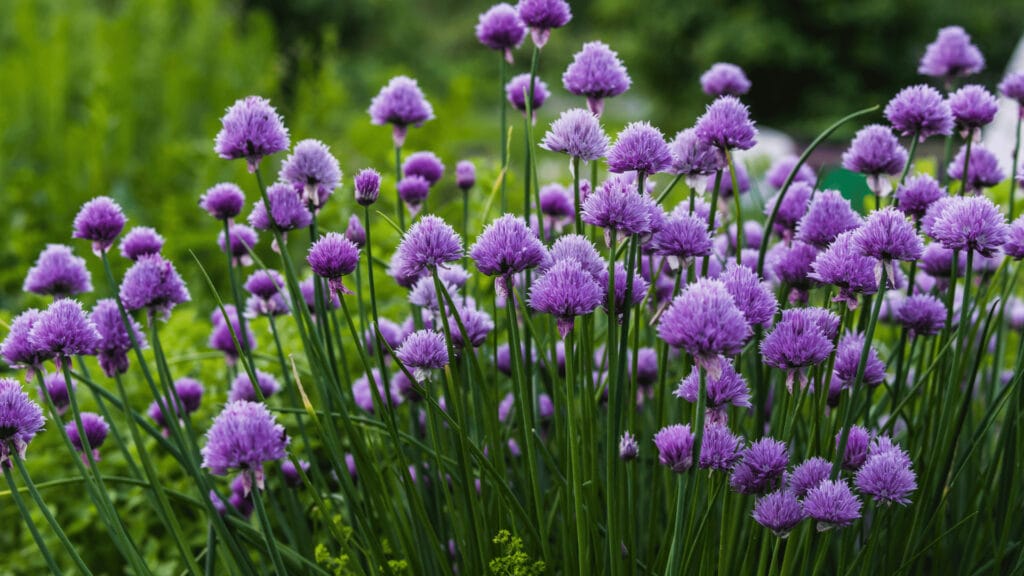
575, 471
967, 164
739, 208
268, 531
47, 556
502, 137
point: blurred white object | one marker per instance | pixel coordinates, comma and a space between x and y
999, 136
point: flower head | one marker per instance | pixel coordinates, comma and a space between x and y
1012, 87
791, 209
848, 355
224, 334
826, 320
783, 167
692, 158
951, 55
728, 388
727, 124
828, 216
63, 330
223, 201
154, 284
597, 73
1014, 246
141, 241
242, 388
239, 241
333, 256
578, 133
888, 235
640, 286
95, 429
875, 152
616, 205
983, 170
400, 103
541, 16
56, 388
362, 394
17, 348
367, 186
705, 322
792, 265
413, 190
557, 202
973, 106
422, 351
725, 188
478, 325
115, 341
20, 420
724, 79
58, 273
425, 164
500, 28
761, 467
465, 174
796, 342
809, 474
628, 446
832, 505
565, 291
720, 448
922, 315
779, 512
354, 232
252, 129
917, 193
971, 223
887, 478
639, 147
920, 110
682, 239
244, 436
844, 266
100, 221
507, 246
856, 451
287, 210
291, 474
518, 89
675, 447
313, 171
753, 297
426, 245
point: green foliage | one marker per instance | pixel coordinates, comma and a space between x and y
513, 561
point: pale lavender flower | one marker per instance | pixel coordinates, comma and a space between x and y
705, 322
541, 16
826, 320
783, 167
972, 107
400, 103
354, 232
425, 164
1014, 246
640, 286
100, 221
518, 89
422, 351
426, 245
242, 388
727, 124
578, 133
367, 183
951, 55
240, 240
565, 291
856, 451
675, 447
56, 388
141, 241
115, 341
720, 448
20, 420
153, 283
17, 348
499, 28
252, 129
779, 512
922, 315
937, 261
639, 147
221, 338
917, 194
244, 436
580, 249
223, 201
888, 235
694, 159
58, 273
753, 297
1012, 87
982, 172
616, 205
313, 171
724, 79
848, 355
792, 208
876, 153
842, 265
465, 174
920, 110
291, 474
478, 325
287, 210
761, 468
809, 474
886, 478
796, 342
506, 246
413, 190
832, 505
828, 216
628, 446
64, 330
793, 265
971, 223
682, 239
597, 73
729, 388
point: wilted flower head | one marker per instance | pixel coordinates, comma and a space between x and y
844, 266
115, 341
242, 388
971, 223
753, 297
628, 447
1012, 87
616, 205
100, 221
141, 241
682, 239
888, 235
313, 171
783, 167
876, 153
917, 193
639, 147
1014, 247
63, 330
565, 291
465, 174
578, 133
354, 232
972, 106
951, 55
58, 273
252, 129
242, 240
809, 474
724, 79
705, 322
922, 315
154, 284
95, 429
518, 89
425, 164
828, 216
500, 28
761, 467
796, 342
507, 246
427, 244
20, 420
244, 436
983, 172
333, 256
597, 73
727, 124
693, 158
17, 349
288, 210
887, 477
779, 511
223, 201
541, 16
720, 448
675, 447
919, 110
832, 505
400, 103
413, 190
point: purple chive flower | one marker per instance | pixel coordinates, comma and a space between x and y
20, 420
580, 249
919, 192
223, 201
100, 221
628, 446
920, 110
391, 331
332, 257
876, 153
779, 512
705, 322
640, 287
242, 240
682, 239
240, 498
793, 266
425, 164
507, 246
141, 241
826, 320
792, 209
729, 388
647, 367
828, 216
265, 284
922, 315
693, 158
63, 330
17, 348
115, 342
242, 388
971, 223
288, 210
556, 202
500, 28
413, 190
58, 273
221, 338
96, 430
578, 133
308, 290
291, 474
848, 354
424, 295
753, 297
856, 447
401, 103
727, 124
56, 388
951, 55
933, 212
724, 79
761, 468
842, 265
781, 169
244, 436
153, 283
362, 394
887, 478
809, 474
367, 186
720, 448
465, 175
617, 206
832, 505
675, 447
1014, 247
565, 291
796, 342
427, 244
725, 190
252, 129
972, 107
422, 351
542, 16
937, 261
478, 325
1012, 87
597, 73
518, 89
354, 232
190, 392
313, 171
454, 274
983, 172
640, 147
888, 235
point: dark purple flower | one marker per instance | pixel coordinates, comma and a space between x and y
313, 171
426, 245
753, 297
675, 447
244, 436
920, 110
221, 337
422, 351
888, 235
242, 388
639, 147
465, 174
500, 28
616, 205
1012, 87
727, 124
832, 505
887, 478
914, 196
58, 273
720, 448
796, 342
983, 172
507, 246
223, 201
705, 322
20, 420
951, 55
828, 216
682, 239
971, 223
1014, 247
141, 241
792, 209
518, 88
761, 468
413, 190
580, 249
154, 284
597, 73
100, 221
541, 16
578, 133
56, 388
291, 474
425, 164
876, 153
566, 290
922, 315
367, 186
17, 349
693, 158
243, 239
809, 474
331, 257
288, 210
401, 103
190, 392
115, 342
252, 129
628, 446
63, 330
724, 79
972, 107
95, 429
783, 167
354, 232
842, 265
779, 512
